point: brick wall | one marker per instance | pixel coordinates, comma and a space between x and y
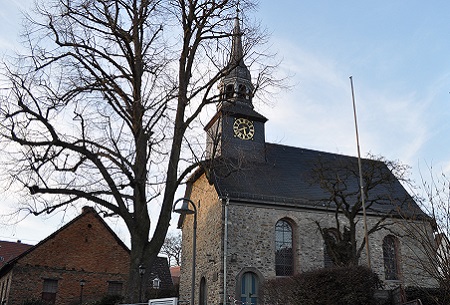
85, 249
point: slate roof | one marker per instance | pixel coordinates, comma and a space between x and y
161, 270
289, 177
242, 110
233, 108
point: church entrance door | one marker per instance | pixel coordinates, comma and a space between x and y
249, 289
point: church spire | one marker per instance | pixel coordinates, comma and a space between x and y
236, 130
236, 87
237, 51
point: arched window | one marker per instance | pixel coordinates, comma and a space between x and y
391, 258
284, 256
249, 288
242, 91
203, 292
229, 91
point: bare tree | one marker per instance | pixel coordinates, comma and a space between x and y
102, 107
432, 257
384, 197
172, 249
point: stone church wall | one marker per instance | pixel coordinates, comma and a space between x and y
251, 233
209, 244
252, 238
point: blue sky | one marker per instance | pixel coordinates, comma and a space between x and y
398, 53
398, 56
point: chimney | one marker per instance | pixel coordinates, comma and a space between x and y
87, 209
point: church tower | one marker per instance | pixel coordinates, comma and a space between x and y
236, 131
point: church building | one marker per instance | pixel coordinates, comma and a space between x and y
262, 208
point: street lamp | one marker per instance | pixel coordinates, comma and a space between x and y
156, 285
184, 210
156, 282
141, 275
82, 283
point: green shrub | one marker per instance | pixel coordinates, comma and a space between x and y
334, 286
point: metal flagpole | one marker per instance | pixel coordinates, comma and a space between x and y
363, 202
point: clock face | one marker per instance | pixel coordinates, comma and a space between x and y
243, 129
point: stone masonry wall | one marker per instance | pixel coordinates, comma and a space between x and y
209, 244
251, 234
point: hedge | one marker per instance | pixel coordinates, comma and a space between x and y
331, 286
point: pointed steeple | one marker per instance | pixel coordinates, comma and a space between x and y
236, 87
236, 130
237, 51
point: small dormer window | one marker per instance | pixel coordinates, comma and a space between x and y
229, 91
242, 91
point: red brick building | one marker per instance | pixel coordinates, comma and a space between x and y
85, 251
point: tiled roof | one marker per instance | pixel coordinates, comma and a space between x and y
10, 250
289, 177
175, 272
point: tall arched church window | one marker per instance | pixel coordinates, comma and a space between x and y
284, 256
229, 91
203, 292
249, 288
391, 258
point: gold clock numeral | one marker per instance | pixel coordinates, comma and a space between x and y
243, 129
